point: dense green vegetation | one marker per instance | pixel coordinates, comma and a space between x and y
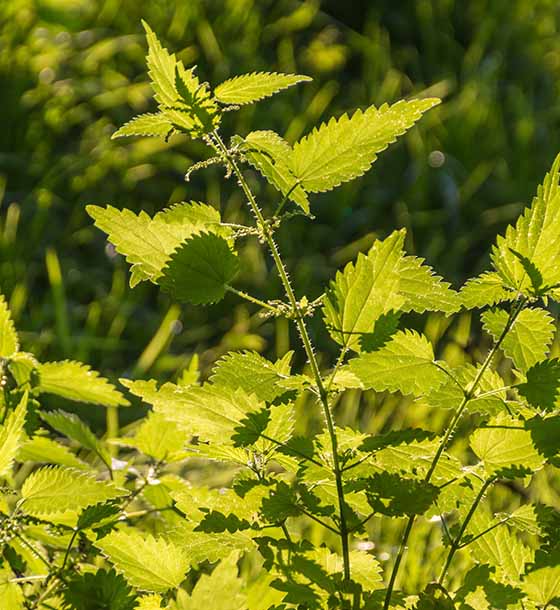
318, 427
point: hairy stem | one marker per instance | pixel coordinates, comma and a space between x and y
468, 395
307, 345
456, 544
252, 299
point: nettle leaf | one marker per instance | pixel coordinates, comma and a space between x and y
506, 447
364, 291
209, 412
410, 454
499, 548
9, 343
486, 289
365, 569
12, 435
393, 495
96, 514
202, 546
200, 269
481, 590
526, 258
161, 68
249, 88
423, 290
406, 364
343, 149
183, 100
543, 585
71, 426
57, 489
147, 243
44, 450
450, 394
148, 563
272, 156
146, 125
76, 381
542, 388
103, 589
150, 602
11, 593
221, 590
252, 373
159, 439
529, 338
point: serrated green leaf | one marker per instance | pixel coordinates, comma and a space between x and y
261, 595
365, 569
364, 292
406, 364
253, 373
209, 591
12, 435
344, 149
423, 290
393, 495
11, 594
71, 426
23, 367
182, 99
529, 338
150, 602
159, 439
148, 563
412, 459
200, 269
146, 125
250, 88
486, 289
482, 591
54, 489
9, 343
272, 156
532, 247
76, 381
450, 394
44, 450
147, 243
543, 585
161, 67
525, 518
504, 446
96, 514
499, 548
201, 546
102, 589
542, 388
208, 412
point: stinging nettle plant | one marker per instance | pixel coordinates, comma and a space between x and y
113, 523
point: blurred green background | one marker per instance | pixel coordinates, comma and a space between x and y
71, 71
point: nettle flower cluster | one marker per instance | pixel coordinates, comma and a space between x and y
82, 529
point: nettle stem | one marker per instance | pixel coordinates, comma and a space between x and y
456, 544
468, 395
305, 339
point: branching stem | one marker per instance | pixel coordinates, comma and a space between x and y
456, 544
307, 345
469, 394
